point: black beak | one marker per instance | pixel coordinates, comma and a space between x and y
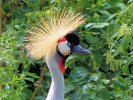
79, 49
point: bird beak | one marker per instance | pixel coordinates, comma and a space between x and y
79, 49
75, 49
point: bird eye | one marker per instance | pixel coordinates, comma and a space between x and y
68, 44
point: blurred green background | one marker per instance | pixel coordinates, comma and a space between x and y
106, 74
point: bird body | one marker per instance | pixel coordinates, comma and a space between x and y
54, 41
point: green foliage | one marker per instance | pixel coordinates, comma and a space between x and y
106, 74
12, 55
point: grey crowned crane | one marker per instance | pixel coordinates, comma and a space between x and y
53, 40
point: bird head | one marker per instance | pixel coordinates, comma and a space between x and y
66, 46
54, 33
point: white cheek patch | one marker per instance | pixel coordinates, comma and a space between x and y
63, 48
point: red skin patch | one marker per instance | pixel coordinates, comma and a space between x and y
61, 66
62, 39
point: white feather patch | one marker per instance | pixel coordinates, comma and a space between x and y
63, 48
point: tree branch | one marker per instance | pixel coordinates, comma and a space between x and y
41, 77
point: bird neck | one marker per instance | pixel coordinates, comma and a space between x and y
56, 91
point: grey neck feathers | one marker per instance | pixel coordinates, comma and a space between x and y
56, 91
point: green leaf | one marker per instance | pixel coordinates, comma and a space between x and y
87, 88
131, 87
100, 25
94, 77
89, 25
79, 74
129, 1
30, 74
29, 79
39, 98
126, 97
99, 2
111, 17
28, 93
105, 81
97, 25
125, 70
104, 93
69, 88
105, 13
121, 84
74, 95
131, 69
72, 58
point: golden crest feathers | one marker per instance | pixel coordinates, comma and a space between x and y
45, 34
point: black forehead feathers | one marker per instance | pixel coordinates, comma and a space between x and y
73, 38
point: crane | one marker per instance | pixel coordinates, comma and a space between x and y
53, 40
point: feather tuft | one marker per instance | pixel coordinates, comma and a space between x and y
44, 34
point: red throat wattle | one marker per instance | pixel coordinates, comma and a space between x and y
61, 66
